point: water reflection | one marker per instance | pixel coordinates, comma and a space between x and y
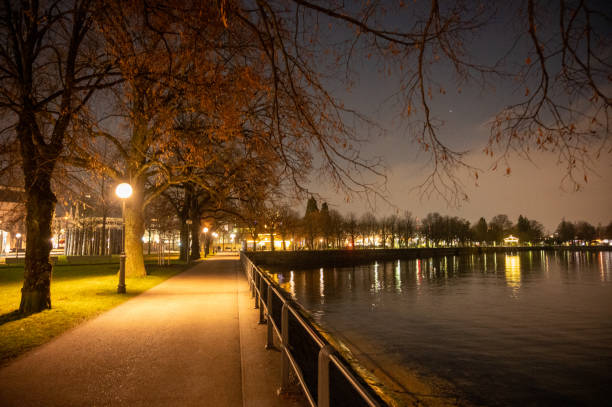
605, 269
516, 271
322, 285
292, 284
377, 284
442, 316
513, 272
398, 277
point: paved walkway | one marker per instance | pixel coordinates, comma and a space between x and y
179, 343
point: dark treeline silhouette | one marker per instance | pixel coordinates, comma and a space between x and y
324, 228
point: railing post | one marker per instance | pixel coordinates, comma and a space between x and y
257, 294
285, 366
251, 280
323, 377
261, 305
270, 339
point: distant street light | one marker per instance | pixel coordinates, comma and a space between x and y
123, 191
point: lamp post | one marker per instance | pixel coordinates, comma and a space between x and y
205, 230
189, 222
18, 236
123, 191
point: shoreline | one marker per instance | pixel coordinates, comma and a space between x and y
319, 258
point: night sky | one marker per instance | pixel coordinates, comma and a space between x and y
534, 189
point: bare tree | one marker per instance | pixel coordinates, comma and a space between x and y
563, 71
50, 68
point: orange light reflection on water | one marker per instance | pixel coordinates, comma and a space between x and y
513, 272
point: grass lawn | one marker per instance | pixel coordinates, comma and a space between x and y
78, 293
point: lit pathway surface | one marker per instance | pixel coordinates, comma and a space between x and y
179, 343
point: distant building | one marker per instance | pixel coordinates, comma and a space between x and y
511, 241
83, 227
12, 216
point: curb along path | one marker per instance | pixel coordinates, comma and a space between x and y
180, 343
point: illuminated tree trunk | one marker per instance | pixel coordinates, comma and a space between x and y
40, 205
184, 236
183, 216
194, 215
134, 230
35, 293
195, 238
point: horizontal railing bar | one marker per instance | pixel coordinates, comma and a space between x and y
312, 333
356, 384
298, 373
275, 328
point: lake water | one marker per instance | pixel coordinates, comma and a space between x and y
531, 328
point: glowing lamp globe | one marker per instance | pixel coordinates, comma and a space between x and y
205, 230
123, 190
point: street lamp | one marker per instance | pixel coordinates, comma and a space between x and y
205, 230
232, 237
18, 236
123, 191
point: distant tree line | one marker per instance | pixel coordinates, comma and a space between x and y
324, 228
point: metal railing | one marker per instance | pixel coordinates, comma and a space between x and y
326, 379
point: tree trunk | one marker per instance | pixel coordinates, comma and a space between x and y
149, 243
184, 235
194, 215
195, 238
134, 230
183, 214
40, 205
